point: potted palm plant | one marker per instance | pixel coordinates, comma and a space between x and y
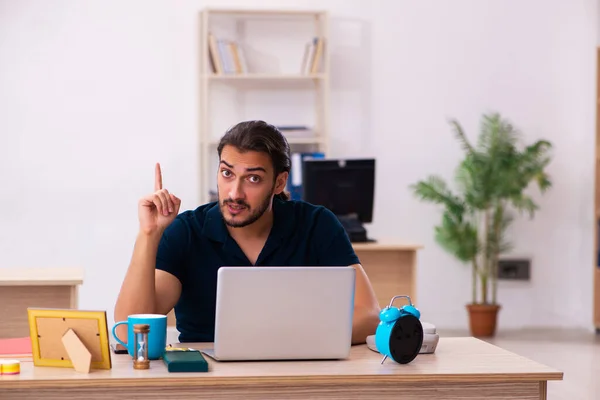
491, 184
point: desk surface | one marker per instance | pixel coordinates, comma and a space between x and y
455, 360
41, 276
386, 245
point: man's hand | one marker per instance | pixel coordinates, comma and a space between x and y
157, 210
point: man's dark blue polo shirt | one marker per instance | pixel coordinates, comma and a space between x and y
197, 244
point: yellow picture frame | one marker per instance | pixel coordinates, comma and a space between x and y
48, 325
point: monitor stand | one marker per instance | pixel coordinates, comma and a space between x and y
354, 228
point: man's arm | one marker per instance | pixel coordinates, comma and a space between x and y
145, 290
334, 248
366, 308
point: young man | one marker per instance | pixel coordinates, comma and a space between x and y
176, 256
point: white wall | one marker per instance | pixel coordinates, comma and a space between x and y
93, 93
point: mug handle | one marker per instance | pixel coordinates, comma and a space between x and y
115, 334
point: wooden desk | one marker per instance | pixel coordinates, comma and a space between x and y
34, 287
465, 368
391, 267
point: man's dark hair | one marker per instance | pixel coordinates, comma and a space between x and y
263, 137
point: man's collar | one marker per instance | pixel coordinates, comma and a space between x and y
283, 221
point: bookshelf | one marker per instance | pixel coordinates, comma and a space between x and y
262, 64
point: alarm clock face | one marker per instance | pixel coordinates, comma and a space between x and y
406, 339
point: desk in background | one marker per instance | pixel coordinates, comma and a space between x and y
465, 368
391, 267
34, 287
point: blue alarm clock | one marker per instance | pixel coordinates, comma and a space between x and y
399, 334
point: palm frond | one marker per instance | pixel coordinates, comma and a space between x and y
460, 135
435, 190
543, 181
457, 237
524, 203
496, 134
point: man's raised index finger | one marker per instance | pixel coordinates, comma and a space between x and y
157, 178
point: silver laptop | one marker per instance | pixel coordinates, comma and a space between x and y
283, 313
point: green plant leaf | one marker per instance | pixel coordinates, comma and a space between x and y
435, 190
460, 135
457, 237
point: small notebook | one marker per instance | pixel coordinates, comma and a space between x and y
15, 347
184, 360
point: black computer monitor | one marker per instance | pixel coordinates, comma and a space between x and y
344, 186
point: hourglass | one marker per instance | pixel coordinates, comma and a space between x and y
140, 353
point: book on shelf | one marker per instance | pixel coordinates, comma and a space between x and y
227, 57
313, 56
296, 131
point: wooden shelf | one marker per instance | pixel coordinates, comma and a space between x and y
317, 140
310, 140
41, 276
265, 77
263, 12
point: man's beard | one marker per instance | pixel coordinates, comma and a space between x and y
254, 215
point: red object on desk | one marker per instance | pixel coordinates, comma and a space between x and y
15, 347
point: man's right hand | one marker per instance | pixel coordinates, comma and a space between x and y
157, 210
